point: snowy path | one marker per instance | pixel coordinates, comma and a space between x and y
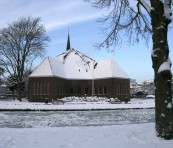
116, 136
23, 119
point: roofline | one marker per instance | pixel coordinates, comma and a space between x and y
38, 66
77, 79
76, 51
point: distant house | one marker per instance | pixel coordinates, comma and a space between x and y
73, 73
149, 87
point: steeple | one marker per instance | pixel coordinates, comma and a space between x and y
68, 43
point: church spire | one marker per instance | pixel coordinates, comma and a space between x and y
68, 42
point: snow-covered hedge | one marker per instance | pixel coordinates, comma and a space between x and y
89, 99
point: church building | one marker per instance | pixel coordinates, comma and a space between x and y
73, 73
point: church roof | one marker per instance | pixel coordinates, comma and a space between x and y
72, 64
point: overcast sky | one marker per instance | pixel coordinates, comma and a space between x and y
80, 18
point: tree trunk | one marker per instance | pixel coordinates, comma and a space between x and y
19, 92
162, 71
13, 95
164, 123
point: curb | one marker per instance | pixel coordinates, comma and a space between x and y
92, 109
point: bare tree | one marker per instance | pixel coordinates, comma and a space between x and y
11, 84
138, 20
1, 71
21, 42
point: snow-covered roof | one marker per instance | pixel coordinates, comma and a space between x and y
72, 64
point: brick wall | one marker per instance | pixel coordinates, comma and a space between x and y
53, 88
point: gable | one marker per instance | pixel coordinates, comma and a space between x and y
44, 69
74, 65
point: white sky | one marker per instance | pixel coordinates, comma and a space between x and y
80, 18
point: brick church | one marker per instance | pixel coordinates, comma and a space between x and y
73, 73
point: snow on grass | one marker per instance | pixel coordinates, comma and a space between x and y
134, 103
37, 119
107, 136
116, 136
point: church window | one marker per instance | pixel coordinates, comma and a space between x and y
100, 90
79, 90
104, 90
38, 88
44, 88
47, 88
86, 90
95, 90
34, 88
71, 91
41, 86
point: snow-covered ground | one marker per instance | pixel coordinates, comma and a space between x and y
77, 105
36, 119
116, 136
139, 135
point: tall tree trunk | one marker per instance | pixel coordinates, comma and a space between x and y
19, 97
162, 71
13, 94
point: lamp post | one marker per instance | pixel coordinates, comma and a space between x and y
94, 67
93, 81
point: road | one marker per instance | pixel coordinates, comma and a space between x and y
31, 119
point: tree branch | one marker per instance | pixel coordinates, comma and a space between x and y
146, 6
